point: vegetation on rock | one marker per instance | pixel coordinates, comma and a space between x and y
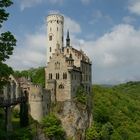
52, 127
81, 95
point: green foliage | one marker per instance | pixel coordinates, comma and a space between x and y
7, 43
116, 112
16, 113
52, 127
92, 133
81, 95
23, 134
37, 75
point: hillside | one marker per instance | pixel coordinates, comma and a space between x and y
116, 112
116, 109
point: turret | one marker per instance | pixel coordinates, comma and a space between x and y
55, 23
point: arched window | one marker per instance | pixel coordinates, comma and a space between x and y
61, 86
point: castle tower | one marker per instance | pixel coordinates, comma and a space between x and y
55, 24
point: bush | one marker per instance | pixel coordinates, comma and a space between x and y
81, 95
52, 127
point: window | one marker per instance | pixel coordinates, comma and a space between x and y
50, 75
50, 37
57, 28
65, 75
57, 65
67, 50
57, 21
50, 49
61, 86
50, 57
50, 29
57, 75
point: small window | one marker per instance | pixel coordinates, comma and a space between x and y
50, 75
57, 28
50, 49
57, 75
67, 50
64, 75
61, 86
57, 21
50, 37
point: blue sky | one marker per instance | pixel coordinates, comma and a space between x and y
107, 30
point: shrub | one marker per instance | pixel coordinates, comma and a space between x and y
52, 126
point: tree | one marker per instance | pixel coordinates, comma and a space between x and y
7, 43
52, 127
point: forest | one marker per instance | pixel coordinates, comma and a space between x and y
116, 111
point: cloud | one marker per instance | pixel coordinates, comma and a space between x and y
71, 24
134, 7
98, 16
30, 3
31, 50
115, 55
128, 19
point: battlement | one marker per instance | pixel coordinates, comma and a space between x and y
55, 17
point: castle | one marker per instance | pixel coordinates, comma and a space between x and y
67, 69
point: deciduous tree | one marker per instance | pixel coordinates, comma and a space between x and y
7, 43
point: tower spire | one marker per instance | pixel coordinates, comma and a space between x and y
68, 39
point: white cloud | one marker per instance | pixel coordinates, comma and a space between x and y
30, 3
71, 24
134, 6
115, 55
31, 50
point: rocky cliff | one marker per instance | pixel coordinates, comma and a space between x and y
75, 118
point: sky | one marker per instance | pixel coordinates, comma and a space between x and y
107, 30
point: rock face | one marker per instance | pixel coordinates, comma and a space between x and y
75, 118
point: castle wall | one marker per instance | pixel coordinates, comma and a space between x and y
39, 102
55, 70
